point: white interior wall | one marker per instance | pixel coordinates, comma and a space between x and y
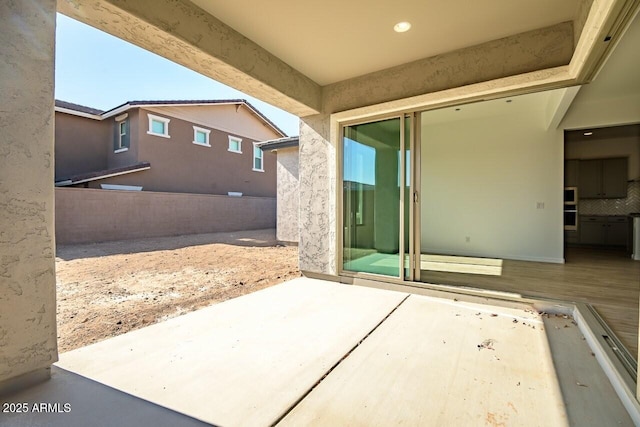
590, 112
483, 178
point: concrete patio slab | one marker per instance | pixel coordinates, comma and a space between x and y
76, 401
246, 361
438, 362
311, 352
589, 397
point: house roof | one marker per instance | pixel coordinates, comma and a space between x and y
158, 103
275, 144
81, 110
102, 174
64, 105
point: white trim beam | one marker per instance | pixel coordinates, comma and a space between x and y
559, 106
522, 53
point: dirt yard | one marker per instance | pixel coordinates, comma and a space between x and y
107, 289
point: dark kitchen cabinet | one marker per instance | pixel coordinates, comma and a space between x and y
603, 230
617, 232
571, 173
614, 178
590, 179
571, 237
592, 230
603, 178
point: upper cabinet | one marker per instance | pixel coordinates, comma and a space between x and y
590, 182
603, 178
614, 178
571, 173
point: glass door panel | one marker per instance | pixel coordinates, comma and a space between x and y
373, 174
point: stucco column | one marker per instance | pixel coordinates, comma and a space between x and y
27, 268
288, 201
317, 246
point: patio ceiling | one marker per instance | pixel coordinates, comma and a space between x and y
330, 41
328, 57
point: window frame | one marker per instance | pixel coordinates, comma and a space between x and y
121, 147
235, 139
164, 120
206, 133
253, 163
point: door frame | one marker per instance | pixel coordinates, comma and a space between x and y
413, 267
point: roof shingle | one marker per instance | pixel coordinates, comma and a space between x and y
78, 107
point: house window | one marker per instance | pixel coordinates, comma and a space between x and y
158, 126
257, 159
201, 136
235, 144
121, 140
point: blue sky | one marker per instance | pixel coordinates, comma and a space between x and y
98, 70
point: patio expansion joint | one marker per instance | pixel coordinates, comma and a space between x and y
335, 365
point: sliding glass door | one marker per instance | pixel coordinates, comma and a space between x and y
377, 202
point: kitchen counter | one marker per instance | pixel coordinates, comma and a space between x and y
608, 216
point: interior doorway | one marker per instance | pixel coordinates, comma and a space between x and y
602, 191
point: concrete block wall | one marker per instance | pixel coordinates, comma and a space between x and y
86, 215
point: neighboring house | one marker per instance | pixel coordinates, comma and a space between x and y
206, 147
288, 187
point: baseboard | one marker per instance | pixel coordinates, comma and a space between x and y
322, 276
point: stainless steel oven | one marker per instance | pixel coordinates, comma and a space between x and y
571, 218
571, 208
570, 195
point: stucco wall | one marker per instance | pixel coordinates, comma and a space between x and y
288, 195
87, 215
81, 145
27, 262
317, 196
235, 119
179, 165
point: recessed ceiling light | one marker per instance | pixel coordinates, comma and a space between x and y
402, 27
509, 100
457, 109
588, 133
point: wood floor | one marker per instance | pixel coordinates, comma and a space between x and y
607, 279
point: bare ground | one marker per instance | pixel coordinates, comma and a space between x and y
107, 289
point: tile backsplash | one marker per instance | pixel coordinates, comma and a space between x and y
613, 206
